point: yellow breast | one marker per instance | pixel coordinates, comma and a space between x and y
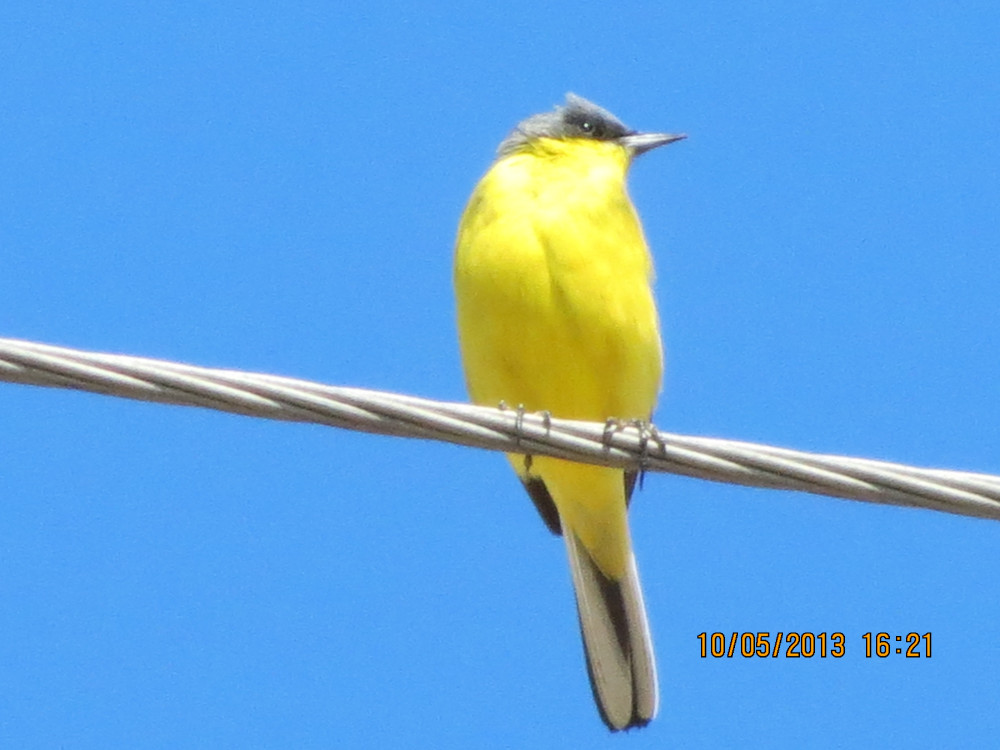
552, 279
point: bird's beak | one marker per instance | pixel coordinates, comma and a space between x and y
640, 143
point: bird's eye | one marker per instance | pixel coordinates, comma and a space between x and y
587, 126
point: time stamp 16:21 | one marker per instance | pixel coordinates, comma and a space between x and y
799, 645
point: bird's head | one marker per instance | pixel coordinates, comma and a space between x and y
580, 119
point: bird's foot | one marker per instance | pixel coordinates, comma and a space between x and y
520, 411
647, 433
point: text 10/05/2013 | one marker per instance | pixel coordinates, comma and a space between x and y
798, 645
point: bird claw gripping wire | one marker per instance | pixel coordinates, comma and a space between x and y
518, 421
519, 427
647, 432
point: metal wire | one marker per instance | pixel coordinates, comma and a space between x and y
274, 397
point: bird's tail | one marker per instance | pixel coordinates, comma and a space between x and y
616, 640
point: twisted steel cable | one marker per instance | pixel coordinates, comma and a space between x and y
509, 430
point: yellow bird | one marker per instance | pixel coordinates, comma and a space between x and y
556, 313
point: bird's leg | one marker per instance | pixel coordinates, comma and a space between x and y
519, 432
647, 431
611, 426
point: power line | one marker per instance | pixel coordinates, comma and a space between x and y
289, 399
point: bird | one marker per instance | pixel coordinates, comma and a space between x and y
555, 311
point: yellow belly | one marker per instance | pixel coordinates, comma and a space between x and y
556, 313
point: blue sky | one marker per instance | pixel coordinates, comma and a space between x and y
275, 187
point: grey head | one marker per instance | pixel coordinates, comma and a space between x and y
580, 118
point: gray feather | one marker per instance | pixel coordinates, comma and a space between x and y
616, 640
577, 118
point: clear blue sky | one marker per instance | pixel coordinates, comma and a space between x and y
275, 187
